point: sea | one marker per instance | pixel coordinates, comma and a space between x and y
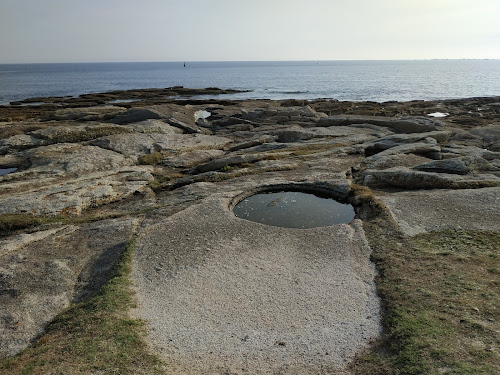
358, 80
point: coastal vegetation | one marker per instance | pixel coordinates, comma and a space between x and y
93, 336
440, 293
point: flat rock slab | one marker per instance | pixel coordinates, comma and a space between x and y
225, 295
429, 210
43, 272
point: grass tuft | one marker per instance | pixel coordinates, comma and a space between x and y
151, 159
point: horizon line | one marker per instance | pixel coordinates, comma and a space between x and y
236, 61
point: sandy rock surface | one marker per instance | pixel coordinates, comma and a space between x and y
222, 294
43, 272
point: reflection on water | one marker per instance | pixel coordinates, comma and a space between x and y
438, 114
116, 101
201, 114
32, 104
7, 170
294, 210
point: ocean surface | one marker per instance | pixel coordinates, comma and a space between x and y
342, 80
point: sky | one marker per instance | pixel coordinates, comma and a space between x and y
38, 31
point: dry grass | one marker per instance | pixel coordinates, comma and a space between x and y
12, 222
160, 181
151, 159
93, 337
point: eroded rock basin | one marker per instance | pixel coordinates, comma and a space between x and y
293, 209
225, 295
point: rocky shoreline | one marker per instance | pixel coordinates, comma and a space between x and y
103, 167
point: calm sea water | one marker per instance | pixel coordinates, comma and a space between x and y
342, 80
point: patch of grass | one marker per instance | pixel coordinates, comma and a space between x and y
12, 222
440, 302
160, 181
92, 337
151, 159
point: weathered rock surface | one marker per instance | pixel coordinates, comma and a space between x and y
191, 158
240, 293
399, 125
390, 141
134, 144
431, 210
84, 114
282, 115
68, 178
400, 177
226, 161
196, 261
490, 135
17, 143
65, 132
41, 273
153, 126
428, 148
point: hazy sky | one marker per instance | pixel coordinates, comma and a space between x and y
204, 30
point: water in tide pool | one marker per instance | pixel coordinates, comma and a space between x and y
342, 80
291, 209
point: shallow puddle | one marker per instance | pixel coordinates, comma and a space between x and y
294, 210
438, 114
4, 171
201, 114
117, 101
